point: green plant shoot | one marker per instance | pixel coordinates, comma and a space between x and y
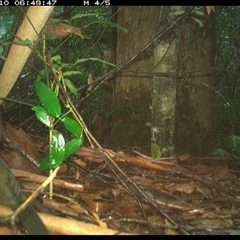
47, 113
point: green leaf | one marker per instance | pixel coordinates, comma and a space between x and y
93, 59
70, 86
42, 115
111, 24
57, 59
232, 146
226, 110
72, 126
57, 147
233, 142
45, 163
66, 65
72, 146
41, 74
70, 73
48, 98
200, 13
23, 42
5, 24
85, 15
56, 156
198, 21
219, 152
178, 12
155, 151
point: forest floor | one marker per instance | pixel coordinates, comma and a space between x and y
128, 192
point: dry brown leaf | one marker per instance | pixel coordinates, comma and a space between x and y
61, 30
143, 181
210, 9
184, 156
90, 82
156, 218
63, 169
169, 231
23, 142
188, 188
212, 219
80, 163
223, 172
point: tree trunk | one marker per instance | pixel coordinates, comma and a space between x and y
164, 88
181, 117
133, 85
170, 78
196, 57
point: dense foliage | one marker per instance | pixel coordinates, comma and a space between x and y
227, 105
95, 25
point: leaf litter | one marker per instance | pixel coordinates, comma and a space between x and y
181, 195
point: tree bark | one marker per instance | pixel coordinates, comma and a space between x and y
164, 88
133, 85
196, 57
181, 101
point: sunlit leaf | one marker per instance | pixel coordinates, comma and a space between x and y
24, 42
48, 98
58, 146
56, 156
42, 115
